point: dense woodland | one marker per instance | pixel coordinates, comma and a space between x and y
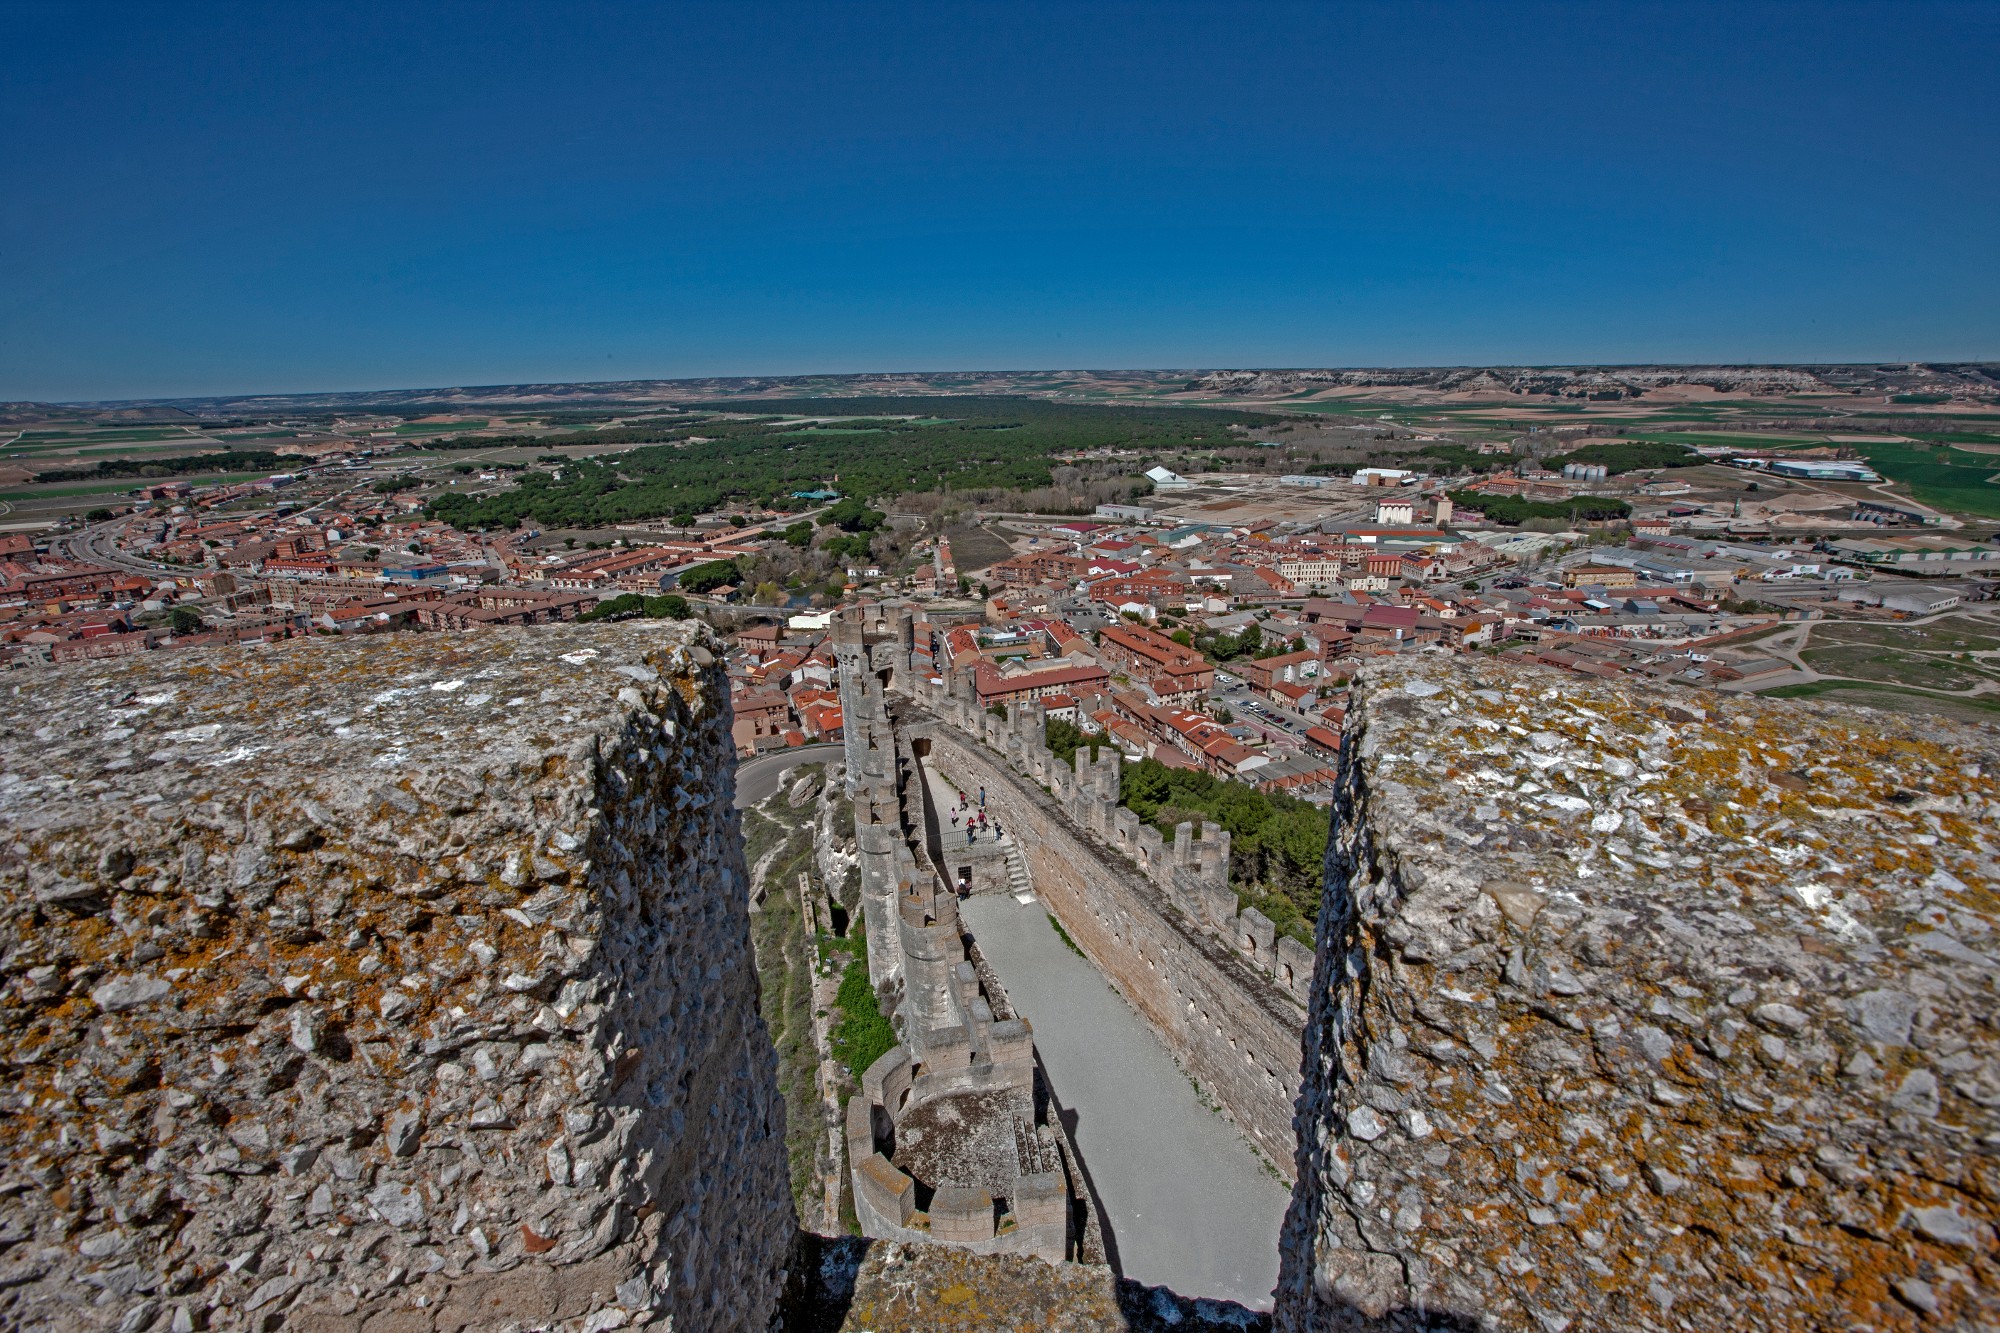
1620, 456
972, 444
233, 460
1512, 511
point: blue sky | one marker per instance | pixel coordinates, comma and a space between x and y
202, 198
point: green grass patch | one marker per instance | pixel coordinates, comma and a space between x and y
1726, 439
1954, 436
778, 933
107, 436
107, 488
1940, 636
761, 833
1063, 935
1954, 480
1892, 699
446, 428
1760, 635
863, 1035
1892, 666
79, 448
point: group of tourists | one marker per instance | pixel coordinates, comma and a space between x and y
976, 821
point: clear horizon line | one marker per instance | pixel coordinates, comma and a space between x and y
1870, 362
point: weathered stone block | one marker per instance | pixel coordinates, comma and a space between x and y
415, 972
1295, 966
961, 1214
1257, 935
1040, 1200
1644, 1008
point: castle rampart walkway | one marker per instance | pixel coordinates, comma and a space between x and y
1188, 1204
1232, 1030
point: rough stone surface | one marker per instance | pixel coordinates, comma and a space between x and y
1649, 1009
398, 985
901, 1287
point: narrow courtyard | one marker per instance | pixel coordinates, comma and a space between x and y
1187, 1202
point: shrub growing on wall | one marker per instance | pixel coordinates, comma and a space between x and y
863, 1035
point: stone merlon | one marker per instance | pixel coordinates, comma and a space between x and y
1644, 1008
402, 984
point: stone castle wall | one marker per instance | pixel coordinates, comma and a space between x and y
962, 1058
1192, 871
1234, 1029
1648, 1009
1223, 993
398, 987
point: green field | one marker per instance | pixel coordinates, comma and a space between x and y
96, 450
1955, 436
126, 484
107, 436
1735, 439
1952, 635
1893, 666
1954, 480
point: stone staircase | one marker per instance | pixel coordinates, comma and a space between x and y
1019, 882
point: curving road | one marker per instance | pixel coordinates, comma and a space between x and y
759, 777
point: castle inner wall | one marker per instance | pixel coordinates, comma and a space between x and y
1229, 1027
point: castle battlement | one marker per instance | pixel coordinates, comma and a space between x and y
404, 983
952, 1138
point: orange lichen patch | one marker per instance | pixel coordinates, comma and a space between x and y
258, 905
1727, 1074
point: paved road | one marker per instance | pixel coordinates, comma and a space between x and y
1188, 1205
759, 777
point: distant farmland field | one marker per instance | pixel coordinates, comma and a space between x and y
1940, 476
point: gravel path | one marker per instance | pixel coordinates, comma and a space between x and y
1188, 1204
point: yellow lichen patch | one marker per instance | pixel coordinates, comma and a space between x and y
1727, 1073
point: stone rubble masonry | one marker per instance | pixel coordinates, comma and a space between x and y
393, 987
1649, 1009
904, 1287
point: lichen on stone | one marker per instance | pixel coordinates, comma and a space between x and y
1640, 1007
371, 977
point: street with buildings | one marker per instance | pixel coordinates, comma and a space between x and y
1213, 627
